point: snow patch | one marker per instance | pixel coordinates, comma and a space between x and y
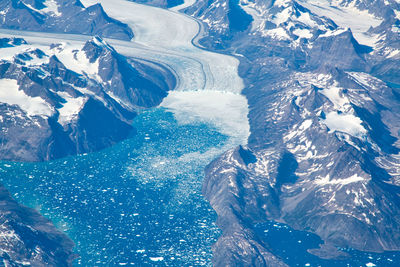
335, 95
277, 33
51, 7
345, 181
347, 123
33, 106
303, 33
76, 60
334, 32
305, 125
71, 108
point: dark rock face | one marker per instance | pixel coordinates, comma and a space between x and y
238, 245
29, 239
11, 42
83, 108
63, 16
132, 82
323, 152
232, 21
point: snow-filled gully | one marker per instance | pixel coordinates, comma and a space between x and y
208, 88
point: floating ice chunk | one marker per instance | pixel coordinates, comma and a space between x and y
370, 264
156, 258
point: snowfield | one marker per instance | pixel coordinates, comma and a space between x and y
11, 94
358, 21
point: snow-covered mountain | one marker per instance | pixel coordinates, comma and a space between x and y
64, 16
323, 155
66, 99
29, 239
322, 82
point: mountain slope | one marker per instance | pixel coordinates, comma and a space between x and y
323, 154
66, 99
29, 239
62, 16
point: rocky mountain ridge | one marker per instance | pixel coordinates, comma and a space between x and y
29, 239
62, 16
56, 95
323, 153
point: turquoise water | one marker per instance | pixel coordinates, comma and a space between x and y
138, 202
292, 245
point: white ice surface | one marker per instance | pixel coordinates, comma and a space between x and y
169, 35
165, 37
8, 53
224, 110
75, 59
51, 7
347, 123
347, 17
10, 94
71, 108
345, 181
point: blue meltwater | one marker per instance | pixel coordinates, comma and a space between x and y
138, 202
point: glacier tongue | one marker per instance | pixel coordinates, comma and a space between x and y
166, 37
